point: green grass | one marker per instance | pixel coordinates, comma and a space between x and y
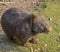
51, 11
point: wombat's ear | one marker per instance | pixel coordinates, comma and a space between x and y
33, 16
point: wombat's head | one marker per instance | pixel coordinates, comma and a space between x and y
40, 24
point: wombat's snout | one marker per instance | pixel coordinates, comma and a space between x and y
49, 29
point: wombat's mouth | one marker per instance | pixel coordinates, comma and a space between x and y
49, 29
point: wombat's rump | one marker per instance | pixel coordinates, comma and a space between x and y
20, 24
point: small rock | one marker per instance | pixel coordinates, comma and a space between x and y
58, 39
45, 45
50, 19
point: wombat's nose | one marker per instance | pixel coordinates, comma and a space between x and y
49, 29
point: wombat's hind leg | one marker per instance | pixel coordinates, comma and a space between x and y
11, 39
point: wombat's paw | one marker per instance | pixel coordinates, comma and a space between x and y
26, 44
35, 41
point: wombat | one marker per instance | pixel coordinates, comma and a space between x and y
23, 26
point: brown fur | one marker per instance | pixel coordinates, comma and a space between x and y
22, 25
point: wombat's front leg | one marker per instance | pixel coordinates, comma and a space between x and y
25, 42
35, 40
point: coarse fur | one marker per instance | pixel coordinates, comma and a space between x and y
23, 25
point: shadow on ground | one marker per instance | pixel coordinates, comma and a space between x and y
7, 45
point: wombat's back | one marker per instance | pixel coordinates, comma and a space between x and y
14, 14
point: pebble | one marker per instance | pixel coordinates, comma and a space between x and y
50, 19
45, 45
58, 40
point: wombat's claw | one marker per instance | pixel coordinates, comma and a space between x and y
35, 41
26, 45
